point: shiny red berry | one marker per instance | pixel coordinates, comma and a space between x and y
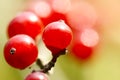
36, 76
25, 23
20, 51
57, 36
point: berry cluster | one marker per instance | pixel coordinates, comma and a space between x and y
57, 26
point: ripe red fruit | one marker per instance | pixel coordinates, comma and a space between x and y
47, 12
81, 52
57, 36
54, 16
84, 43
58, 12
25, 23
36, 76
20, 51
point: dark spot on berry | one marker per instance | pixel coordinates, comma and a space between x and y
12, 51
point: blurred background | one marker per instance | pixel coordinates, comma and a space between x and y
104, 65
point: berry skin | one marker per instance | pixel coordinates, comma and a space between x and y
25, 23
57, 36
36, 76
54, 16
20, 51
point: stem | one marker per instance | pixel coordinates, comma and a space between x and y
51, 64
39, 63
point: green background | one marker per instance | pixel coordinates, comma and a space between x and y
104, 65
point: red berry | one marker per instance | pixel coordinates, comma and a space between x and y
81, 52
36, 76
58, 12
84, 43
20, 51
47, 12
25, 23
54, 16
57, 36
